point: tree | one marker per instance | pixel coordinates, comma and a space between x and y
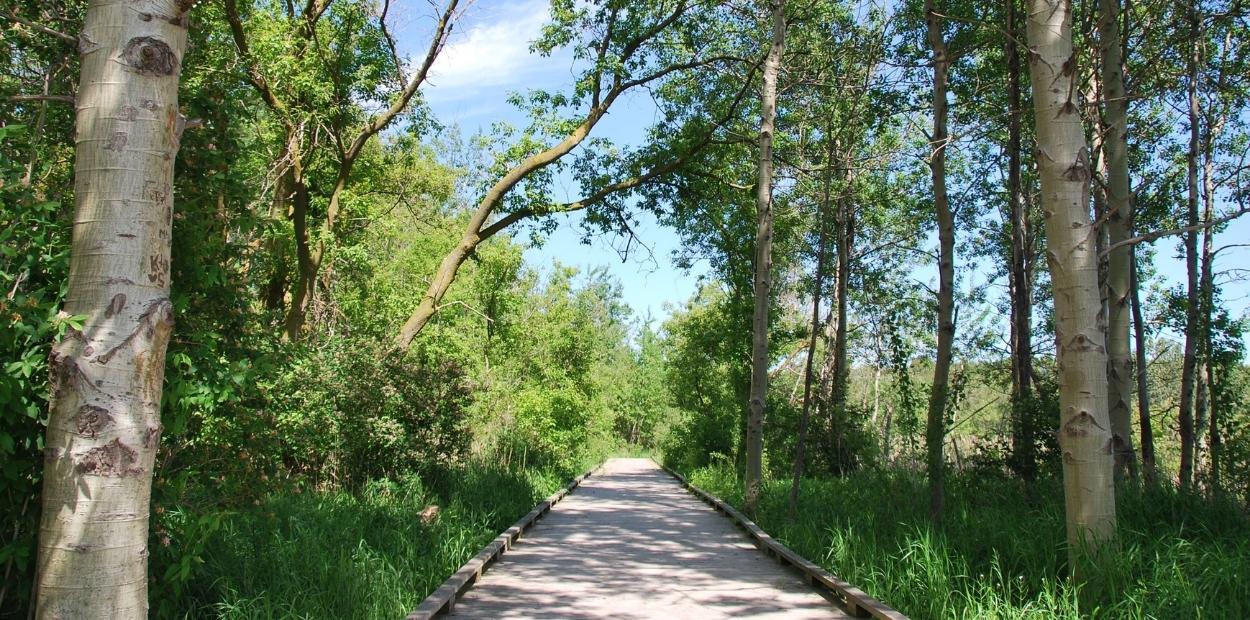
626, 49
325, 98
763, 259
822, 243
1020, 257
1189, 366
1064, 166
1145, 426
935, 427
107, 376
1119, 214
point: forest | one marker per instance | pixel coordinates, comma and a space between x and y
969, 327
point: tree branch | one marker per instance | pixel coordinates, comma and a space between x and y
631, 182
254, 76
55, 98
441, 32
44, 29
1159, 234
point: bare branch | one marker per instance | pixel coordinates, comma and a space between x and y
1159, 234
69, 99
44, 29
441, 32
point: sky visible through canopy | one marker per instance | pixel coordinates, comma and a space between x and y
488, 58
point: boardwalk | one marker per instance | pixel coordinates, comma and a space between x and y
632, 543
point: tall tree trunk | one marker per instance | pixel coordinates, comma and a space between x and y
1189, 365
1150, 470
1206, 402
1214, 437
105, 405
1064, 165
935, 427
1205, 399
305, 279
876, 390
831, 393
1019, 280
817, 288
763, 263
845, 222
1118, 204
275, 288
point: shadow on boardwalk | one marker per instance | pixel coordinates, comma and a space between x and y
632, 543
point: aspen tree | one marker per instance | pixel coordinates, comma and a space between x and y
1115, 149
105, 409
1064, 165
800, 448
763, 260
935, 427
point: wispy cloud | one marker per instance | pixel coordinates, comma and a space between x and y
493, 53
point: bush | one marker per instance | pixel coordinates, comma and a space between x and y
375, 553
34, 262
1000, 552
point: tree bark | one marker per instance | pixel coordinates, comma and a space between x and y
1118, 204
305, 279
845, 222
763, 262
1214, 437
1019, 275
105, 419
935, 427
1205, 402
831, 393
1064, 167
1189, 364
808, 368
1150, 470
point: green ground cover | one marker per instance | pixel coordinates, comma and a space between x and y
1000, 552
367, 555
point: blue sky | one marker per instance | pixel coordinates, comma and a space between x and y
488, 57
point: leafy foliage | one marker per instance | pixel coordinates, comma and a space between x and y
993, 559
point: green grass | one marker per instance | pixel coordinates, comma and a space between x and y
367, 555
1000, 552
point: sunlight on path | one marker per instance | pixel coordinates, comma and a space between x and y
632, 543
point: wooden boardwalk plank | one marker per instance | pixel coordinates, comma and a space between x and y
632, 543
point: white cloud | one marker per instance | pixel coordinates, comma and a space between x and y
493, 53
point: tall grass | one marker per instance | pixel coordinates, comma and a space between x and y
369, 555
1000, 553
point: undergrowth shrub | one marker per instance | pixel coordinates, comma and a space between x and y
334, 416
374, 553
1000, 552
34, 262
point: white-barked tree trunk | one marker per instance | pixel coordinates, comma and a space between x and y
105, 413
1063, 160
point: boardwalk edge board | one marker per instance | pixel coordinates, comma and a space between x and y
444, 597
858, 602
